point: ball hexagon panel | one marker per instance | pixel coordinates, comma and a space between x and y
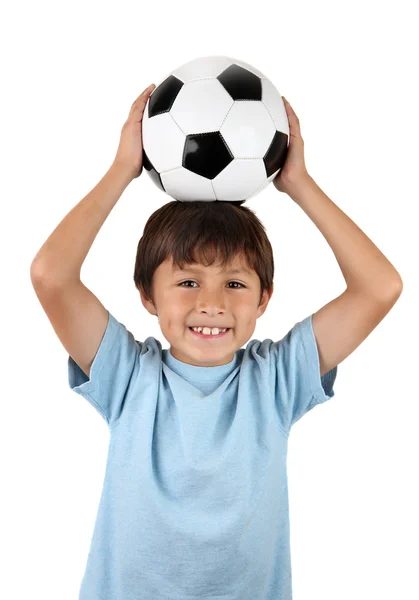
239, 179
212, 100
248, 129
157, 132
187, 186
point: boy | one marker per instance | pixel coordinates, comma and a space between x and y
194, 503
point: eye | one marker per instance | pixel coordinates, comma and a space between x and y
191, 281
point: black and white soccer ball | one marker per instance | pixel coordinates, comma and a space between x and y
214, 129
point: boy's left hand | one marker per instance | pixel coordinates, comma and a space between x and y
294, 170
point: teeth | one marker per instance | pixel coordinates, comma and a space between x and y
208, 331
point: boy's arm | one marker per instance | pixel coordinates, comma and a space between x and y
77, 316
61, 257
373, 284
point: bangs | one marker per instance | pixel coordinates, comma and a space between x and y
206, 236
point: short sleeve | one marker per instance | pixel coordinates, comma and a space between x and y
299, 385
111, 372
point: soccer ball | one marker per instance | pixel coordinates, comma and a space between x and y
214, 129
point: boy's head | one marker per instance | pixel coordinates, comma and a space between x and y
199, 243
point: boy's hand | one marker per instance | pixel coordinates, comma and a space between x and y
130, 151
294, 170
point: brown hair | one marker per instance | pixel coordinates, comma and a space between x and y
195, 231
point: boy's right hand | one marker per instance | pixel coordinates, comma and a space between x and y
130, 150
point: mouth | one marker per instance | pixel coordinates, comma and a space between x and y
209, 336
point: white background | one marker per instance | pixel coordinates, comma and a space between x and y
70, 72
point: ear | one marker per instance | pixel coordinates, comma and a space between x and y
148, 305
266, 296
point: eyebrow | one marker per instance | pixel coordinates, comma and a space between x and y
229, 272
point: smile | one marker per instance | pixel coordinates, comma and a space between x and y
210, 336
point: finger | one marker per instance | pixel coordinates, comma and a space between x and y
288, 105
292, 117
142, 99
145, 93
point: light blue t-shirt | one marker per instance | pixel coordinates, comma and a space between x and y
194, 504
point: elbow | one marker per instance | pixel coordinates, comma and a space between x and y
398, 286
393, 290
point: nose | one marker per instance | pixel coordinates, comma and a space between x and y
211, 302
